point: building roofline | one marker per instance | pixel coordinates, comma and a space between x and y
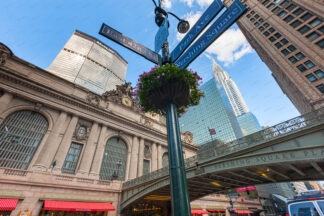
91, 38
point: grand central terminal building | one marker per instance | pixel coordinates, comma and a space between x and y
66, 150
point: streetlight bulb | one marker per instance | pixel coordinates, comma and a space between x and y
160, 15
183, 26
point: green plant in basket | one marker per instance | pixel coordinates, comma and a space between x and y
168, 84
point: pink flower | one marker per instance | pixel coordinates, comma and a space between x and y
168, 70
163, 74
141, 75
158, 77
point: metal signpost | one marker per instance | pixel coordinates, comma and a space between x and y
161, 36
178, 180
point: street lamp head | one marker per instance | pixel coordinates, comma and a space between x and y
160, 15
183, 26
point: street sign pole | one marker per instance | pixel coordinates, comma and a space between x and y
178, 181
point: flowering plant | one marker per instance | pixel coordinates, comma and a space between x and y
158, 78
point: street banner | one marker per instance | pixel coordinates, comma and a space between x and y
246, 188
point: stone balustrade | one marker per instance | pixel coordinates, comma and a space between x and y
57, 180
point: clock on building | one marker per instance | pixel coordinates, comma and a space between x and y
127, 101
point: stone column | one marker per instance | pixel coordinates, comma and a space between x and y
65, 144
47, 153
97, 160
140, 158
154, 157
134, 158
127, 168
89, 150
5, 100
159, 155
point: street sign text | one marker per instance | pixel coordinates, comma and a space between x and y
200, 25
217, 28
129, 43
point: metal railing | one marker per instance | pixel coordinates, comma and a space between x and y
215, 149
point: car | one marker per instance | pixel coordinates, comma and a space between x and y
309, 203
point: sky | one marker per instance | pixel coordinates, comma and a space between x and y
36, 30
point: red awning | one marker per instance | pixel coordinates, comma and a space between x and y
8, 204
198, 212
243, 212
217, 210
77, 206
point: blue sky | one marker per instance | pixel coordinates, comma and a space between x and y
36, 30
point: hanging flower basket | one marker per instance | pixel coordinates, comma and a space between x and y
167, 84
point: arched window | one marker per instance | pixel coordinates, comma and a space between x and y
114, 161
20, 135
165, 160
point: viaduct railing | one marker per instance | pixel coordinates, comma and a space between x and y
215, 149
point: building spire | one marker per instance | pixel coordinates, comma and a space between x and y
233, 93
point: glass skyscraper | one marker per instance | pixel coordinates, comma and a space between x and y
247, 121
87, 62
233, 93
213, 112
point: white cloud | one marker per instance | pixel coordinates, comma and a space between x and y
192, 18
189, 2
166, 4
229, 47
203, 3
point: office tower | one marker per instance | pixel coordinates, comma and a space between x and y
233, 93
87, 62
247, 121
288, 35
213, 112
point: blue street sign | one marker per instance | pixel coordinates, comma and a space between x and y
129, 43
200, 25
217, 28
161, 35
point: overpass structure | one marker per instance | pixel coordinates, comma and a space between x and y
290, 151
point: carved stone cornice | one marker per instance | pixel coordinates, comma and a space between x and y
123, 95
5, 53
93, 99
68, 101
187, 137
11, 77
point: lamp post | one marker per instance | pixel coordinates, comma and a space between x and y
116, 175
179, 188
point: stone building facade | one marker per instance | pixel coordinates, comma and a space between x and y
77, 145
288, 35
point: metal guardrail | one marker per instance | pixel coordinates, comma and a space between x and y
217, 149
